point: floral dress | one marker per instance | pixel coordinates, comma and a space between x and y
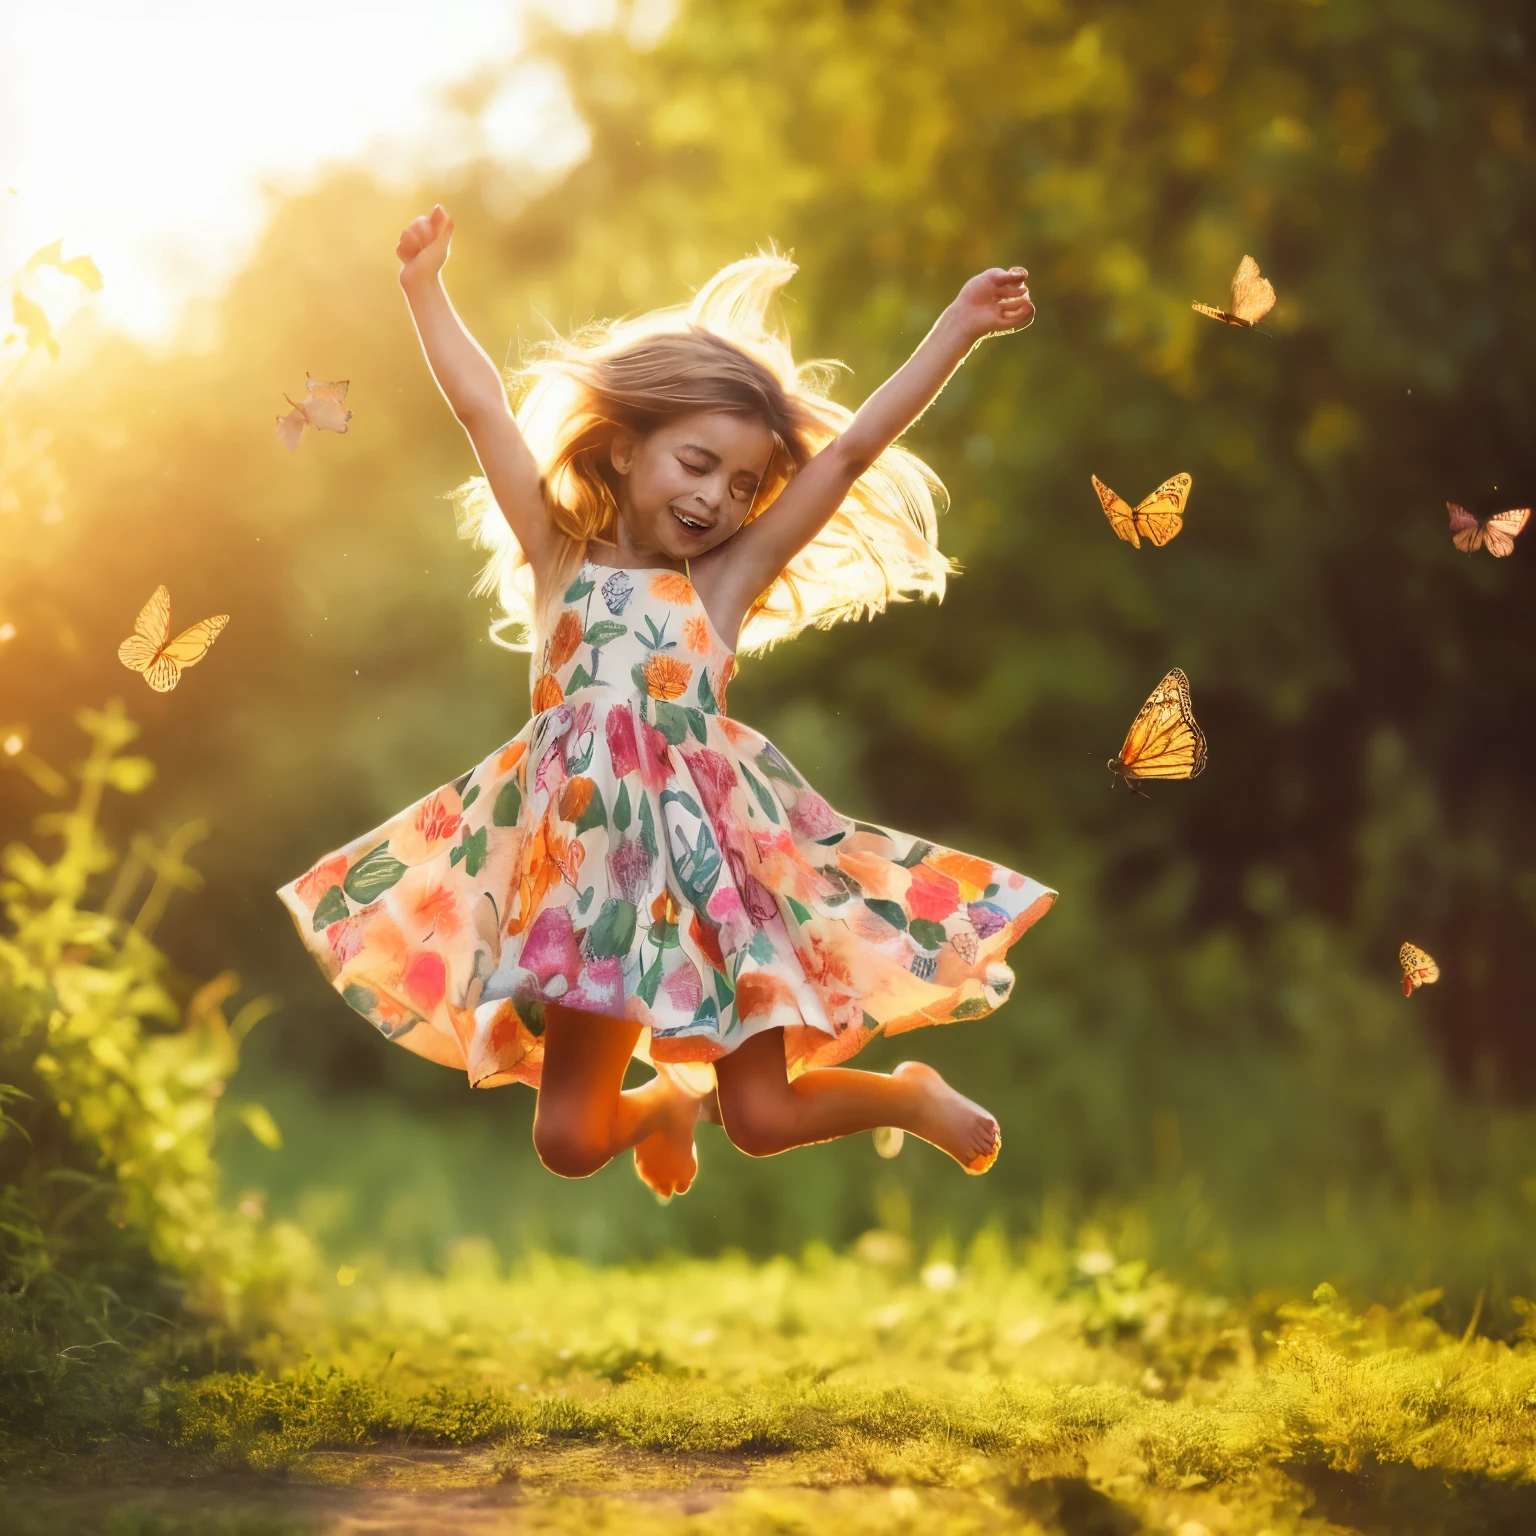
634, 852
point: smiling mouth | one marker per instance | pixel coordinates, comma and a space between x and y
692, 524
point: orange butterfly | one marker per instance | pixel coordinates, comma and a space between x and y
1496, 534
1164, 742
321, 408
1157, 517
1252, 297
150, 650
1419, 969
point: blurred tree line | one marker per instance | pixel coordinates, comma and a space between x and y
1209, 1019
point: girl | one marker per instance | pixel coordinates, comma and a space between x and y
635, 873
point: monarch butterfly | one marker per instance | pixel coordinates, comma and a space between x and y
1164, 742
1496, 534
150, 650
1157, 517
1419, 969
321, 408
1252, 297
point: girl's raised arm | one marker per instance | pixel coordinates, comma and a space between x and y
472, 386
996, 300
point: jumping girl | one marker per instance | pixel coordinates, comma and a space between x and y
635, 873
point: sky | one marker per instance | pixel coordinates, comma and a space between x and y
141, 132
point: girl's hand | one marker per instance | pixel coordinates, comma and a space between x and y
423, 246
994, 301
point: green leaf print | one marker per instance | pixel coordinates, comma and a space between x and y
915, 855
650, 983
724, 991
584, 901
604, 632
758, 788
671, 722
579, 679
707, 1013
581, 760
578, 589
471, 797
373, 874
698, 869
776, 766
664, 935
621, 811
695, 719
802, 913
889, 910
471, 850
647, 827
361, 998
507, 805
761, 947
929, 934
971, 1008
706, 694
871, 1023
613, 932
595, 815
656, 639
331, 908
683, 798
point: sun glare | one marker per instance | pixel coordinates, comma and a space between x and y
143, 134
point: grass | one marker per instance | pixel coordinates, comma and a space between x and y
1051, 1390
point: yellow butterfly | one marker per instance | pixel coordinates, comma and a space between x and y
1419, 969
1252, 297
1496, 534
150, 650
1157, 517
1164, 742
323, 407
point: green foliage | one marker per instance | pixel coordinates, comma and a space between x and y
109, 1089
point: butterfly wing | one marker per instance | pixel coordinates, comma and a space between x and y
1466, 531
325, 405
1502, 529
1419, 968
290, 428
153, 624
1160, 516
1118, 511
1164, 742
1252, 294
1217, 314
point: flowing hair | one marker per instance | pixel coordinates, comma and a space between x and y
719, 353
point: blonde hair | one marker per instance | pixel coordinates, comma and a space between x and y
718, 353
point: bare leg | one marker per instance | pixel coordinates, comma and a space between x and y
764, 1112
584, 1119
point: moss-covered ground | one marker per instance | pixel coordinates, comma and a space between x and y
1054, 1391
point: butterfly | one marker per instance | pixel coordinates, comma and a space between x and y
1163, 742
1157, 517
321, 408
1497, 534
150, 650
1252, 297
1419, 969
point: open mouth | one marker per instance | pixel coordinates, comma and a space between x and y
691, 524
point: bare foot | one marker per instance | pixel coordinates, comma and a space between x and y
665, 1160
950, 1120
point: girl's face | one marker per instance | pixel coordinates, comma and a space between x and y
688, 486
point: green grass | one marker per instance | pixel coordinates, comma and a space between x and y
1051, 1390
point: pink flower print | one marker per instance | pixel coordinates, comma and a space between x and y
425, 981
601, 988
622, 752
759, 902
550, 950
436, 822
346, 938
655, 757
684, 989
311, 887
629, 867
715, 778
966, 947
812, 817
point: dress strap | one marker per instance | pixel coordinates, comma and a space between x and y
687, 570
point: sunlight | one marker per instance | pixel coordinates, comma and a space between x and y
143, 135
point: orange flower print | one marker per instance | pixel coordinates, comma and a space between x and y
672, 588
575, 798
696, 635
311, 887
547, 694
727, 671
436, 910
511, 755
664, 909
666, 677
563, 643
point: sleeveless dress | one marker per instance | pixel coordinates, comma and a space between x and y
634, 852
